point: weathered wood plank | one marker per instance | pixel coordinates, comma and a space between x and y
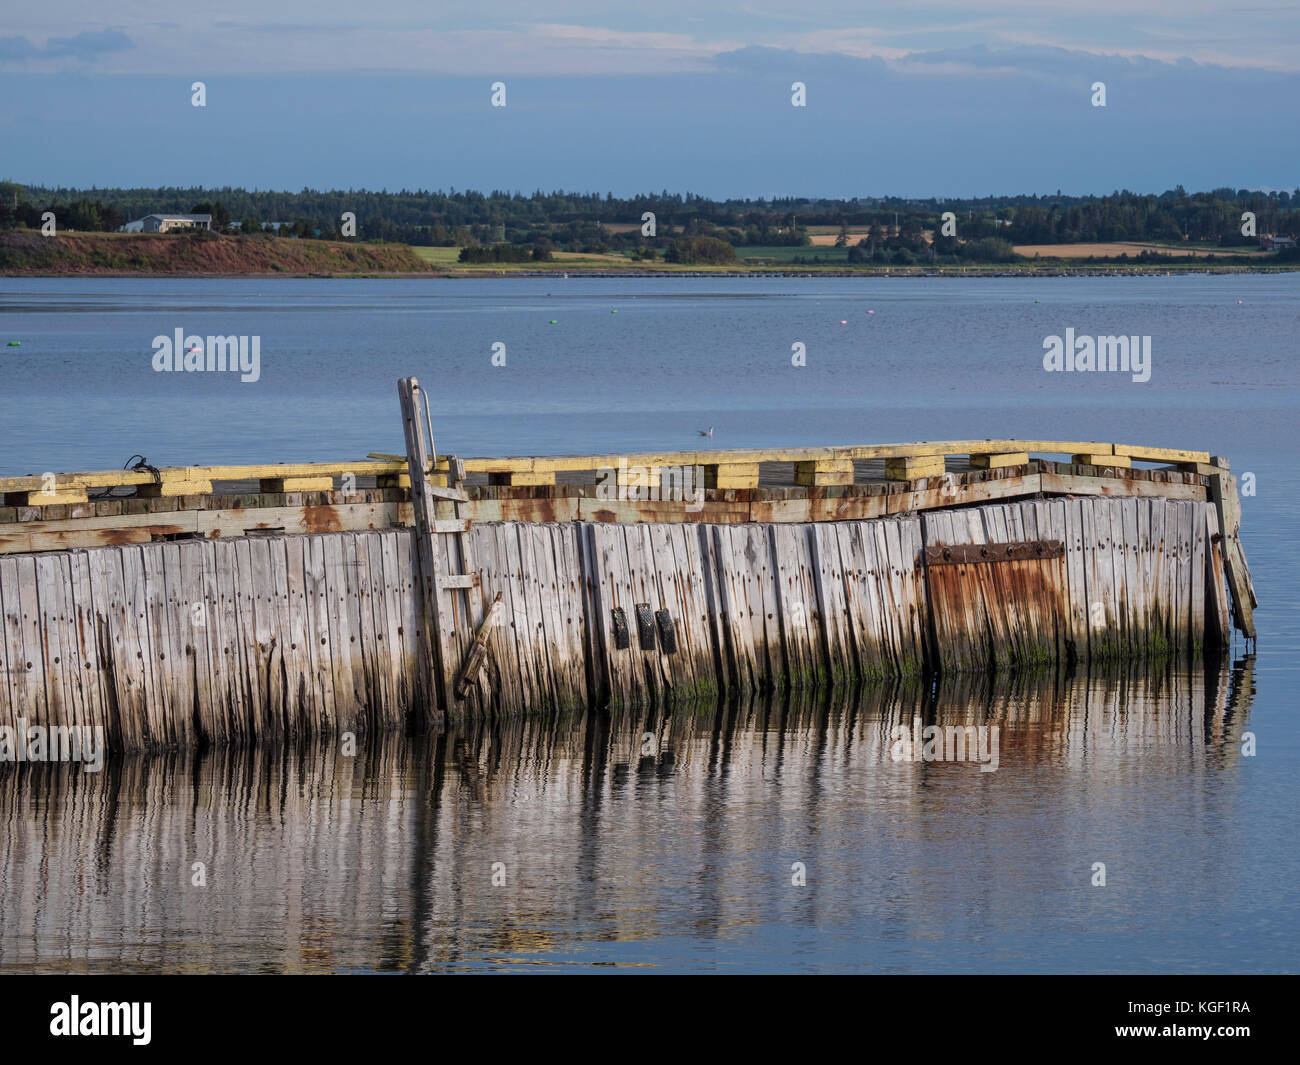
109, 636
361, 637
139, 647
319, 631
760, 578
289, 652
523, 618
551, 633
730, 604
249, 642
827, 573
13, 688
264, 646
513, 627
175, 625
600, 641
48, 580
795, 622
696, 624
749, 604
374, 623
1196, 579
862, 597
1218, 611
402, 669
305, 692
84, 637
1163, 574
1223, 493
1068, 527
424, 708
564, 540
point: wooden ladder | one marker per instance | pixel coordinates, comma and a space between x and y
452, 601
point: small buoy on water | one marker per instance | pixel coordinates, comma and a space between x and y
1240, 302
613, 312
553, 321
871, 312
843, 321
15, 343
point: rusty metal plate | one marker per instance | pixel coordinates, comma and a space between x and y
964, 554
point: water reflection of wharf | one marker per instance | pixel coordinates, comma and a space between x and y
313, 860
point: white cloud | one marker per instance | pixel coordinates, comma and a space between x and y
468, 37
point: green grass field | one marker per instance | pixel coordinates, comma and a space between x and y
438, 256
775, 259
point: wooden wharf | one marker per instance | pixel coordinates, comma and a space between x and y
195, 604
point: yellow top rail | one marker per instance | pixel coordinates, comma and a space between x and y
382, 464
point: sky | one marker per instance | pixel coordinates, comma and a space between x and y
939, 98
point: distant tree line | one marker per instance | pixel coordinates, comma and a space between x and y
898, 228
80, 214
700, 249
505, 253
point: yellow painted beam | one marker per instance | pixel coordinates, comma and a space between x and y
1159, 454
731, 475
358, 468
44, 498
380, 464
750, 456
296, 484
522, 479
909, 469
1095, 459
1205, 469
94, 479
819, 472
169, 489
637, 475
1032, 447
997, 462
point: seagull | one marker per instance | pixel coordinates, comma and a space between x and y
705, 432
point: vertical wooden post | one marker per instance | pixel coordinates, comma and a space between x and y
1223, 491
449, 621
436, 666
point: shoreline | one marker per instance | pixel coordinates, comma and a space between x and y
1097, 270
24, 253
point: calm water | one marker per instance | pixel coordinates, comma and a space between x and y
681, 858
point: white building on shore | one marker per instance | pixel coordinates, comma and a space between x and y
165, 223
